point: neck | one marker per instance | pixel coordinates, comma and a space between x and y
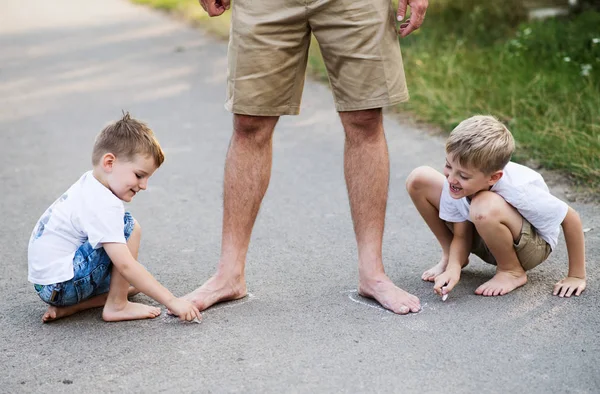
100, 176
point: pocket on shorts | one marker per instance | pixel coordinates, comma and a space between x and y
88, 286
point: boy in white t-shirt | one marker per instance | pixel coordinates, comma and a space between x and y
83, 251
499, 210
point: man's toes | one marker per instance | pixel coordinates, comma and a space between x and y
402, 310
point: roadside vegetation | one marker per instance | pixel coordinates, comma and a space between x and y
542, 78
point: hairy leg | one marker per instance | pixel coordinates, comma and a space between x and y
367, 169
424, 185
247, 175
117, 307
499, 225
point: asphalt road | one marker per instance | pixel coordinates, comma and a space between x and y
68, 67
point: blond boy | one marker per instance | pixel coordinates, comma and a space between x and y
499, 210
83, 251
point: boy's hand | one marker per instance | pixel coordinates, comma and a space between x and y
185, 310
568, 285
446, 280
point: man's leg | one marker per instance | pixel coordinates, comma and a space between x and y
247, 175
367, 169
499, 225
424, 185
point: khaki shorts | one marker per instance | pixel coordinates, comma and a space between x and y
532, 250
268, 52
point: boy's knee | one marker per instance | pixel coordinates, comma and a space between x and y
486, 207
420, 179
137, 229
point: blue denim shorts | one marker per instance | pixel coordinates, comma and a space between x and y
91, 269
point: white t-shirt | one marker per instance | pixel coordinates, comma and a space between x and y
526, 191
88, 211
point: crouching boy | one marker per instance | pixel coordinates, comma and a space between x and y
499, 210
83, 251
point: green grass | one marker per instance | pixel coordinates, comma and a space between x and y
531, 75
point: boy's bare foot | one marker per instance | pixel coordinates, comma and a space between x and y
217, 289
55, 312
129, 311
502, 283
391, 297
437, 269
434, 271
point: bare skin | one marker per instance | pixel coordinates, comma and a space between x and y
367, 170
247, 174
424, 186
499, 225
55, 313
116, 305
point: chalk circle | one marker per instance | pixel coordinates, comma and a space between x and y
166, 318
371, 303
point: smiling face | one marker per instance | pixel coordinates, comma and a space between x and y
465, 181
125, 178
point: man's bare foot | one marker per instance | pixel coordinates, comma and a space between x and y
55, 312
391, 297
129, 311
502, 283
217, 289
437, 269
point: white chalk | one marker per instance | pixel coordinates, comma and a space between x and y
444, 297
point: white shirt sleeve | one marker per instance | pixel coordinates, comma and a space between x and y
104, 225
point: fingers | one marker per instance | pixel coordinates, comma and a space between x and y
418, 8
215, 7
557, 287
567, 289
402, 4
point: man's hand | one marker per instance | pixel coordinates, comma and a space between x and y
569, 286
215, 7
446, 281
417, 14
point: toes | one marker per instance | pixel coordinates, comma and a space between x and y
403, 310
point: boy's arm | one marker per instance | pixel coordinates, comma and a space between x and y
460, 248
575, 282
142, 280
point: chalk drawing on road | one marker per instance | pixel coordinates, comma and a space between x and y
355, 297
167, 318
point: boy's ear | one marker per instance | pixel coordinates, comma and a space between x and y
495, 177
107, 162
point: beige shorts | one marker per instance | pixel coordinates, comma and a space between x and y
532, 250
268, 52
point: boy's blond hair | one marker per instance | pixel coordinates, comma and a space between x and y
481, 142
125, 139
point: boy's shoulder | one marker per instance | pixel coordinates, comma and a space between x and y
518, 178
92, 194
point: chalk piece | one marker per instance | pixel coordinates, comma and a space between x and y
444, 297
